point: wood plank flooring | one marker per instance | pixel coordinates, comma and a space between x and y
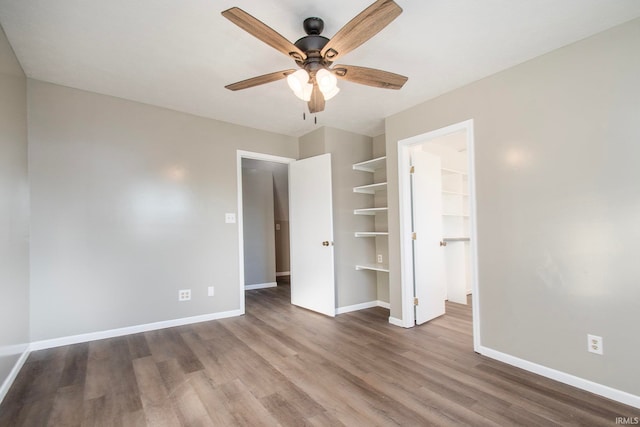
282, 365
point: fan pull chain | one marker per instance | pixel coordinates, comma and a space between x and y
315, 118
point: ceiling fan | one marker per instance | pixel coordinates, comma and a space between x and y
315, 81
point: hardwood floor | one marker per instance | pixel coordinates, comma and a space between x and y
281, 365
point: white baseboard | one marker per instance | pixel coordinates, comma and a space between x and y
93, 336
260, 286
563, 377
356, 307
362, 306
384, 305
6, 384
396, 322
283, 273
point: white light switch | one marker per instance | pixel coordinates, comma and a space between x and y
230, 218
277, 227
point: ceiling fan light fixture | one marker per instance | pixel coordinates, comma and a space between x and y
327, 82
298, 81
305, 93
328, 95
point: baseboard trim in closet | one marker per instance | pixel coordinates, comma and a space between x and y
396, 322
260, 286
361, 306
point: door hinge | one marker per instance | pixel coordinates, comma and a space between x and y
412, 169
414, 236
415, 301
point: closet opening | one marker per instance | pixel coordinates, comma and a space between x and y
437, 224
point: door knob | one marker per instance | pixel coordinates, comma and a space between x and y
325, 243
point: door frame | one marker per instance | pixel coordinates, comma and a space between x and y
406, 251
241, 154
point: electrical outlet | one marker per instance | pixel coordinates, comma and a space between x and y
379, 258
184, 294
594, 344
210, 291
230, 218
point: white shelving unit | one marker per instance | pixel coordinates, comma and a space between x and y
455, 227
374, 267
371, 188
370, 233
371, 166
370, 211
455, 203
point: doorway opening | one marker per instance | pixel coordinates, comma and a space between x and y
310, 230
263, 221
265, 214
438, 224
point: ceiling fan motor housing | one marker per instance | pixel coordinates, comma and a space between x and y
313, 26
312, 45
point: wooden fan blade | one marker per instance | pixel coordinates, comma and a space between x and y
369, 76
260, 80
316, 103
263, 32
365, 25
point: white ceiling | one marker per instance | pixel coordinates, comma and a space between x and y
180, 54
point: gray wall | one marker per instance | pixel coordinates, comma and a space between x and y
313, 143
258, 224
558, 202
346, 148
128, 207
14, 211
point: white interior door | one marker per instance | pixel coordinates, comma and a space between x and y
429, 281
311, 234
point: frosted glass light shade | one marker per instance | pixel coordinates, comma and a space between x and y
297, 80
326, 81
329, 95
299, 84
305, 94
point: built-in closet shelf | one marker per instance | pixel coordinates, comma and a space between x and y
371, 165
371, 188
370, 211
456, 239
374, 267
371, 233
